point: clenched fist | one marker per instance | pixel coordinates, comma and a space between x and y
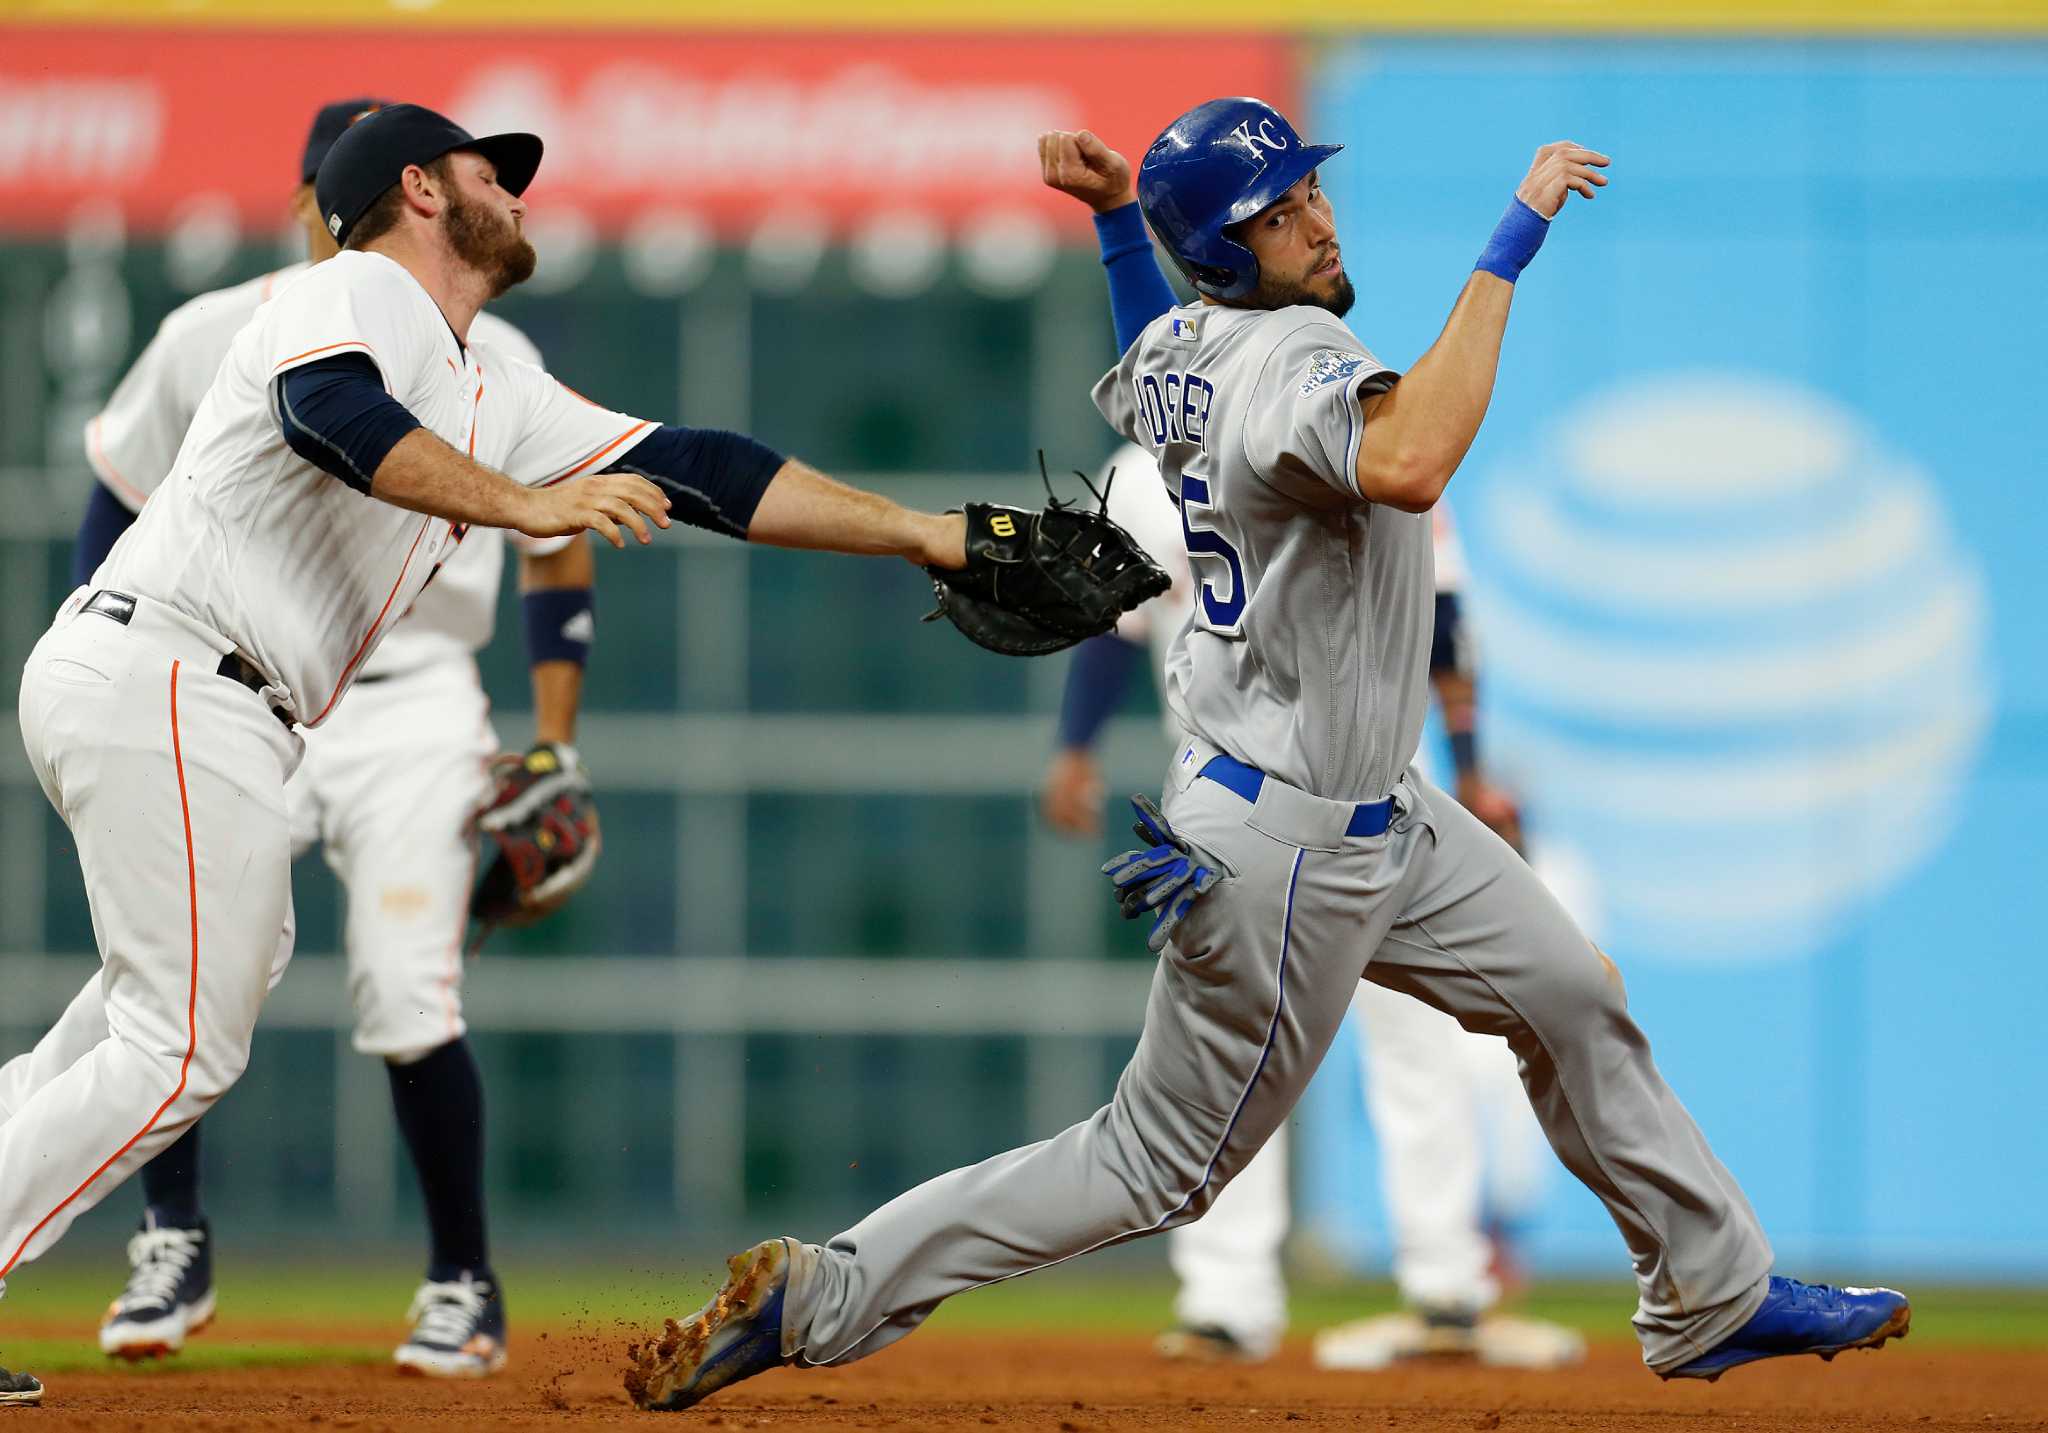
1076, 162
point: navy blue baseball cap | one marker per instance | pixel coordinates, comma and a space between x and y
327, 127
370, 155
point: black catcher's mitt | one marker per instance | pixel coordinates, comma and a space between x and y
540, 838
1036, 582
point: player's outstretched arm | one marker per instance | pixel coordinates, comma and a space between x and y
425, 474
805, 509
1417, 432
335, 413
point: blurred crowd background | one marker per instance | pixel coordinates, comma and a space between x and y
1754, 529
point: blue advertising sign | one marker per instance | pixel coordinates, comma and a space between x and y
1755, 529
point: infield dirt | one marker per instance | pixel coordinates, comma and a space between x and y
1074, 1384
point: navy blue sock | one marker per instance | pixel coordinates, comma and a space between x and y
440, 1106
170, 1182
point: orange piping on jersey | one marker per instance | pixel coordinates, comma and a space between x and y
370, 636
102, 465
633, 431
191, 990
345, 343
472, 417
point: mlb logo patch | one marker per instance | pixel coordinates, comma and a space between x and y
1186, 330
1327, 366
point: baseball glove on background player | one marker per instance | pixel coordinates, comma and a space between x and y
540, 839
1036, 582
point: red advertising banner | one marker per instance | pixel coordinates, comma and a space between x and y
723, 128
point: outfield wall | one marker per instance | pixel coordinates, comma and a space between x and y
1753, 525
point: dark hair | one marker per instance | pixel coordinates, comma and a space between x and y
387, 208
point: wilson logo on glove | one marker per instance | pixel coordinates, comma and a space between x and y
1037, 582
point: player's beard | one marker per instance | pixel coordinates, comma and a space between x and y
1275, 293
488, 242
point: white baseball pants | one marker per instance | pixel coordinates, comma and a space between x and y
171, 778
390, 787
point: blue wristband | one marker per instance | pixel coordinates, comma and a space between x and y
561, 623
1515, 241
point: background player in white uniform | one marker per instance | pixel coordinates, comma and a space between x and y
1298, 851
350, 439
389, 787
1457, 1142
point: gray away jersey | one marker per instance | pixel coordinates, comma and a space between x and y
1308, 652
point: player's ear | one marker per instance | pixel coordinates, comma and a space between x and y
423, 188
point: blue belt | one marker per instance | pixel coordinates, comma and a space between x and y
1368, 818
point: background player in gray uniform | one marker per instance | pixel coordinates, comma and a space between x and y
390, 788
1299, 850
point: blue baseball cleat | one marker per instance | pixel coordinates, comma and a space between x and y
1805, 1318
735, 1336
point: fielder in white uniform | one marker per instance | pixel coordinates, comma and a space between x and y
350, 441
1457, 1142
389, 787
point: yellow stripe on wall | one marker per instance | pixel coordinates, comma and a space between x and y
1658, 17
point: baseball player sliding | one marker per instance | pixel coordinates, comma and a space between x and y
1438, 1097
390, 787
1298, 849
352, 437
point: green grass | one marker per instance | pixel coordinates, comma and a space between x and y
351, 1312
76, 1355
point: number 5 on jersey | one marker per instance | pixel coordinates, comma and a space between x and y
1219, 606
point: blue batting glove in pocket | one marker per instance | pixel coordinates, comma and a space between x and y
1164, 878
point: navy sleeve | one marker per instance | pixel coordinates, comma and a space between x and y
1447, 649
714, 478
336, 415
1138, 292
104, 522
1096, 679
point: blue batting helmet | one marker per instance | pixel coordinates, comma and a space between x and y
1218, 165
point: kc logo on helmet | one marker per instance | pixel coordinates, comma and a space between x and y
1258, 140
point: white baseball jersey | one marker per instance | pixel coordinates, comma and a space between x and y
132, 443
305, 575
1307, 655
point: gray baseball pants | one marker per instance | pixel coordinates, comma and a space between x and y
1243, 1005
